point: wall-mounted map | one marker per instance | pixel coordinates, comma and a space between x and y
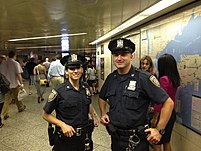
180, 35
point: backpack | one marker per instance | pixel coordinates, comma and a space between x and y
25, 73
4, 84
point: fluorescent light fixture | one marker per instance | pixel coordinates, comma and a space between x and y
135, 19
47, 37
36, 47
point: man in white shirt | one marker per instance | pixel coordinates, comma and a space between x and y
56, 72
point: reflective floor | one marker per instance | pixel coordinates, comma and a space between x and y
27, 131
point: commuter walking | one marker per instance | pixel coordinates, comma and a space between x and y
169, 79
128, 91
91, 78
40, 73
56, 72
12, 70
72, 102
47, 66
30, 68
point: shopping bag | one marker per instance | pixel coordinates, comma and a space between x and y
22, 94
43, 82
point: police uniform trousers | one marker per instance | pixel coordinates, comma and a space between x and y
74, 143
121, 143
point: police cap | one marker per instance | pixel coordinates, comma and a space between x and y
121, 44
73, 60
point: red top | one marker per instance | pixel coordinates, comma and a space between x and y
167, 85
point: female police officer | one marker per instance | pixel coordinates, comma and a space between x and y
129, 91
72, 103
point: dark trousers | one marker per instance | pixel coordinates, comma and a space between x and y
1, 106
121, 143
75, 143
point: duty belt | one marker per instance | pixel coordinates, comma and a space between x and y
78, 130
135, 136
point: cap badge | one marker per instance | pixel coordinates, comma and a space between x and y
74, 57
120, 43
132, 86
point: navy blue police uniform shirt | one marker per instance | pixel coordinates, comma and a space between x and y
71, 105
129, 96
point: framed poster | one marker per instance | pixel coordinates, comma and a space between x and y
102, 49
102, 68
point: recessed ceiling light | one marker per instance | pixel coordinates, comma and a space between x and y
47, 37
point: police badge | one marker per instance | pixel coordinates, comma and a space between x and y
132, 86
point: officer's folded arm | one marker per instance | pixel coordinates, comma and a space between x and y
166, 111
66, 129
104, 117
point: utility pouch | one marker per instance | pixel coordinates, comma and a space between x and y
51, 134
141, 130
91, 126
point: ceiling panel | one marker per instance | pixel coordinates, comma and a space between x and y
31, 18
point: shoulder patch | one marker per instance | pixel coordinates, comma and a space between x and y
154, 80
52, 95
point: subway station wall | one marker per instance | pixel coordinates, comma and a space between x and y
179, 34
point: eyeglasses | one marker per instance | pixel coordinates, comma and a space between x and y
73, 68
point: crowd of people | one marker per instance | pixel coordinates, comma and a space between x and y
126, 91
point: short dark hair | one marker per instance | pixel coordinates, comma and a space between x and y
11, 54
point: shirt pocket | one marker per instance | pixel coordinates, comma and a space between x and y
70, 108
132, 100
111, 98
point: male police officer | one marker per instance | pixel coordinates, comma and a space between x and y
128, 91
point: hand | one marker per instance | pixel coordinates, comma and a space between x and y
154, 136
96, 122
21, 86
67, 130
105, 119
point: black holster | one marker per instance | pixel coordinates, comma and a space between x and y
51, 134
112, 130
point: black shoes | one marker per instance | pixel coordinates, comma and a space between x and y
6, 117
22, 108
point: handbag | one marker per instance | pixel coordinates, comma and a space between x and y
42, 81
22, 94
4, 84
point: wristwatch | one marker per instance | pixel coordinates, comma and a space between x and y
161, 131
